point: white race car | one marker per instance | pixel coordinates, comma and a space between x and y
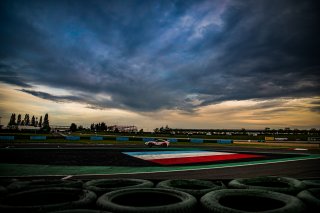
158, 142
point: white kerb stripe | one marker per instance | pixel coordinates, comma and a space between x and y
181, 155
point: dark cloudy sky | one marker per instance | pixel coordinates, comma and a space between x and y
206, 64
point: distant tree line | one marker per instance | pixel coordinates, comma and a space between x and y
98, 127
16, 121
242, 131
102, 127
163, 130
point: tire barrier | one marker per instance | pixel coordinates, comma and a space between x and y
6, 138
102, 186
27, 196
311, 197
147, 200
312, 183
7, 181
96, 138
72, 138
196, 140
3, 191
38, 137
122, 139
272, 183
47, 199
250, 200
42, 183
80, 211
197, 188
225, 141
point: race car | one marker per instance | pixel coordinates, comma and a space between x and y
158, 142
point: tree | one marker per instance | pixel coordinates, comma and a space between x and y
19, 120
33, 121
116, 130
40, 121
12, 120
26, 120
103, 126
73, 127
92, 127
98, 127
46, 126
141, 131
37, 123
80, 128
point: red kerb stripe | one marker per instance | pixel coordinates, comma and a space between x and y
202, 159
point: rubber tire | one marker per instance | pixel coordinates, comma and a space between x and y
193, 186
311, 197
294, 186
312, 183
33, 198
150, 145
3, 191
97, 186
42, 183
186, 202
214, 201
80, 211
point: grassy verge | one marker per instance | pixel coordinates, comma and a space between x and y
173, 144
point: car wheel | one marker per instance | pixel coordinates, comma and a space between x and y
150, 145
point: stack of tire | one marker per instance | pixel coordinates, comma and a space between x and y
260, 194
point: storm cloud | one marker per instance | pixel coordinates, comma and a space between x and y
151, 55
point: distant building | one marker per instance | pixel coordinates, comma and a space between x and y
60, 128
21, 127
122, 128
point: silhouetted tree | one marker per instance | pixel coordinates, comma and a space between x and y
80, 128
26, 120
19, 119
12, 120
33, 121
40, 122
97, 127
73, 127
103, 126
92, 126
46, 126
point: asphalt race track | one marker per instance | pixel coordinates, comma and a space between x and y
92, 161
